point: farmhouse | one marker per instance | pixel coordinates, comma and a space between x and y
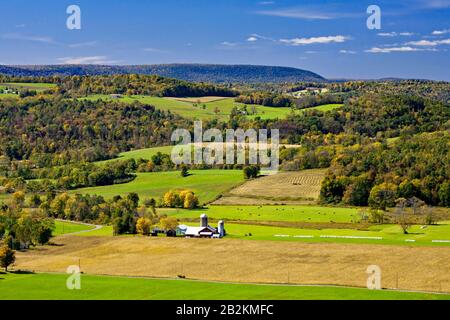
203, 231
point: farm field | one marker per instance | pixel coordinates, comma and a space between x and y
38, 86
185, 106
380, 234
326, 233
297, 213
200, 99
206, 184
65, 227
403, 267
285, 188
147, 153
52, 286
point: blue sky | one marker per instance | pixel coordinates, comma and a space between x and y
327, 37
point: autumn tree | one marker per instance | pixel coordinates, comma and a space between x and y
143, 226
190, 201
382, 196
19, 198
7, 257
168, 223
401, 215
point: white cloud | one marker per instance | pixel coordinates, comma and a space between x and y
154, 50
83, 44
440, 32
252, 39
435, 4
347, 51
396, 49
19, 36
229, 44
298, 14
395, 34
422, 43
314, 40
428, 43
266, 3
87, 60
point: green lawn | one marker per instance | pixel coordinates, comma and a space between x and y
206, 184
326, 107
64, 227
301, 213
38, 86
188, 110
140, 154
389, 234
53, 287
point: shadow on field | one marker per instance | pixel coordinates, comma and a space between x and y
22, 272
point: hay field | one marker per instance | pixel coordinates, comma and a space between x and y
300, 187
403, 267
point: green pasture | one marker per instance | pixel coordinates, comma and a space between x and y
64, 227
389, 234
298, 213
23, 286
208, 110
206, 184
38, 86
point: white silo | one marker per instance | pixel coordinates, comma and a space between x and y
203, 220
221, 228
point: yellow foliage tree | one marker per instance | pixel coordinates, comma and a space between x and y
169, 199
190, 201
19, 198
143, 226
168, 223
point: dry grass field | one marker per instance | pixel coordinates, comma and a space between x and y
301, 187
403, 267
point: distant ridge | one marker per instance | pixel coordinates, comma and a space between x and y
190, 72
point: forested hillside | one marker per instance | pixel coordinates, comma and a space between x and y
189, 72
61, 129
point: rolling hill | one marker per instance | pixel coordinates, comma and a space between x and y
189, 72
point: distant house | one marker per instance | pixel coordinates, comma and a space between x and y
203, 231
115, 96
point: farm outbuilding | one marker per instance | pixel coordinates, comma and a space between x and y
203, 231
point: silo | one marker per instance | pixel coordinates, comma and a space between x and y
203, 220
221, 228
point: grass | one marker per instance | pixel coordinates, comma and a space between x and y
140, 154
270, 213
305, 224
65, 227
186, 109
325, 107
38, 86
390, 234
53, 287
206, 184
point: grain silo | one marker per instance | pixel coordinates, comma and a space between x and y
203, 220
221, 228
